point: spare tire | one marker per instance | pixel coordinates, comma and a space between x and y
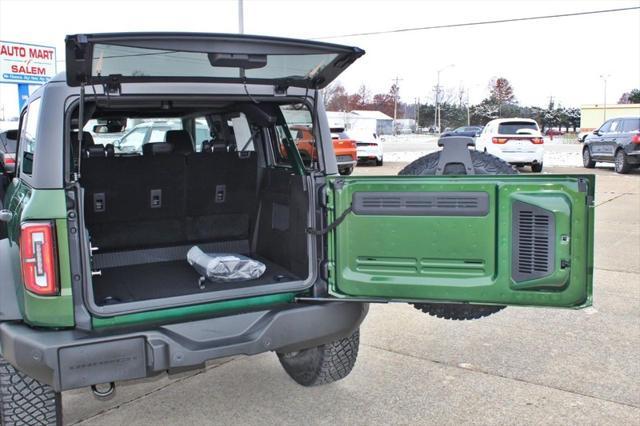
483, 164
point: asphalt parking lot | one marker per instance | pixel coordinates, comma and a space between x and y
520, 366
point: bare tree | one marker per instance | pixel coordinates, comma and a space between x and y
364, 94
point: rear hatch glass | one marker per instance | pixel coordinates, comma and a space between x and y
517, 127
128, 57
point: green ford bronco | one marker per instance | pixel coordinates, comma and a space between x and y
95, 282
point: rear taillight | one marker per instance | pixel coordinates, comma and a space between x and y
38, 258
635, 138
499, 140
9, 159
537, 141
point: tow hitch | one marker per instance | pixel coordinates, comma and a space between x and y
104, 391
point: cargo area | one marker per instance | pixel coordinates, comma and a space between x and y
146, 206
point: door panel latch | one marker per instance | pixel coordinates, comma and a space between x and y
156, 198
221, 193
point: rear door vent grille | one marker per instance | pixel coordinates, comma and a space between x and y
381, 202
533, 242
421, 203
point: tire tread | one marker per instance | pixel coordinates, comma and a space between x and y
26, 401
323, 364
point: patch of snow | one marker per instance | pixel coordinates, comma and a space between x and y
562, 159
563, 155
405, 156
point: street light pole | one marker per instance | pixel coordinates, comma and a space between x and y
240, 17
604, 78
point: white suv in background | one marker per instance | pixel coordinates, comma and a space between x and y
517, 141
368, 145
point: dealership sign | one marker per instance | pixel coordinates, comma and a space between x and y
26, 63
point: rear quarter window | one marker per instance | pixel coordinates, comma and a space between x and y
29, 136
631, 125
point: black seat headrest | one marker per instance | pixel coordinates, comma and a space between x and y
180, 140
155, 148
219, 147
92, 151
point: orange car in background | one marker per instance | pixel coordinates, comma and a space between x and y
345, 149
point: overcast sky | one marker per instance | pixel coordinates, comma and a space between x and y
561, 57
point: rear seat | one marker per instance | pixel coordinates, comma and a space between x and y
163, 198
221, 195
129, 200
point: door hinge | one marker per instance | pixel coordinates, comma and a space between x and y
324, 270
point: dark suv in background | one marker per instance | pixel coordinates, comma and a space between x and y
617, 141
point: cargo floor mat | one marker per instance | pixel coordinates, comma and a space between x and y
168, 279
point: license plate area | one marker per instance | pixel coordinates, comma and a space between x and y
104, 362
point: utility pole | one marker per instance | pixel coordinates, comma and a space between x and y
417, 114
468, 114
395, 103
240, 17
437, 111
604, 78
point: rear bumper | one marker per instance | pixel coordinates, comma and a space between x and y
346, 163
369, 152
521, 157
633, 154
71, 359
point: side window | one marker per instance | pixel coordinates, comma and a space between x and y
157, 134
615, 126
280, 154
299, 122
201, 132
605, 127
132, 141
242, 133
29, 136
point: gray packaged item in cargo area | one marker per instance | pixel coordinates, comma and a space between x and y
224, 267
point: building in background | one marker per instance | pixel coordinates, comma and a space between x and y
362, 121
592, 116
405, 126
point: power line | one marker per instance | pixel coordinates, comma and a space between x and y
476, 23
